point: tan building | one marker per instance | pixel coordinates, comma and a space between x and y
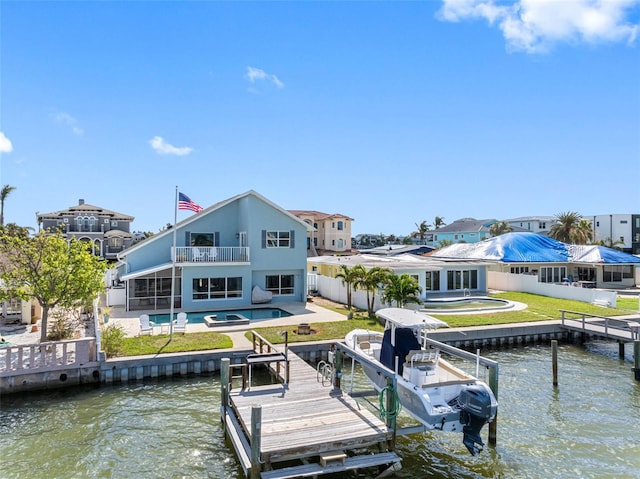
332, 232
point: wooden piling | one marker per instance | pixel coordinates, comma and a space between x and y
621, 350
224, 387
391, 405
554, 361
337, 367
493, 385
636, 360
256, 426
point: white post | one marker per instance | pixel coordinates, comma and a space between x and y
173, 264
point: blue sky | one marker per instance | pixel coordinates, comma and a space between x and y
388, 112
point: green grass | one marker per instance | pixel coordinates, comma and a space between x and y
539, 308
158, 344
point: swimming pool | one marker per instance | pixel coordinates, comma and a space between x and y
198, 317
465, 305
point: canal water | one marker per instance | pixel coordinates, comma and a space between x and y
587, 427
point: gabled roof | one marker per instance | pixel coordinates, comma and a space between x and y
208, 210
464, 225
318, 215
533, 248
84, 208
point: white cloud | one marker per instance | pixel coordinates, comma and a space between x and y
64, 118
164, 148
256, 74
535, 25
5, 144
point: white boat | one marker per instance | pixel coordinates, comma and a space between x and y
432, 390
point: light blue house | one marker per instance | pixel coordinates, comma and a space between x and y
221, 255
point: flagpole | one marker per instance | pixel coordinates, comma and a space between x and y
173, 264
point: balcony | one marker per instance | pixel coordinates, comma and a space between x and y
212, 254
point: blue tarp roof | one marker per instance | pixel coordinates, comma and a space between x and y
533, 248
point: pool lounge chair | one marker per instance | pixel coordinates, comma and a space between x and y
180, 323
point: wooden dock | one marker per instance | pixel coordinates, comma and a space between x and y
621, 330
302, 428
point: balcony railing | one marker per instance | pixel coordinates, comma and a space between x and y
46, 356
212, 254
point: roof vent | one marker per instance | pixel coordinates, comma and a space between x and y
81, 201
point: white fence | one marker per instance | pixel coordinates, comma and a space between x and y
525, 283
46, 356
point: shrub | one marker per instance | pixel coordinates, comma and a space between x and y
62, 326
112, 339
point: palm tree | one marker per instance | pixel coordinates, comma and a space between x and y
6, 190
371, 282
565, 227
499, 228
584, 232
423, 227
438, 222
402, 289
609, 243
349, 277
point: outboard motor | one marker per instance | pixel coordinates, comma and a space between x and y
478, 406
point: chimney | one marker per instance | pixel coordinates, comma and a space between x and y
80, 201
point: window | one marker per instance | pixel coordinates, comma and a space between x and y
115, 242
432, 281
623, 222
585, 274
543, 225
217, 288
340, 225
553, 274
279, 284
201, 239
278, 239
462, 279
519, 269
106, 220
333, 224
114, 223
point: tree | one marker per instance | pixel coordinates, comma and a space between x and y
438, 222
54, 272
4, 192
13, 229
583, 233
565, 227
609, 243
402, 289
349, 277
371, 281
423, 227
499, 228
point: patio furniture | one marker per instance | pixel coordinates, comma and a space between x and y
180, 323
146, 326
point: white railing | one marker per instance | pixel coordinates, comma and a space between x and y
212, 254
46, 356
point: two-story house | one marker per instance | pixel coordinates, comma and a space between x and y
331, 232
534, 224
464, 230
108, 231
218, 256
623, 230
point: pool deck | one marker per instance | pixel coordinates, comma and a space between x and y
301, 313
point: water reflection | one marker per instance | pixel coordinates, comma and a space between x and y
171, 428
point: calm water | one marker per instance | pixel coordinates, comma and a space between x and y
198, 317
586, 428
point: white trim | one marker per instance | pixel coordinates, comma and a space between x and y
142, 272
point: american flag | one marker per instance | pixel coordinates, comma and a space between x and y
186, 203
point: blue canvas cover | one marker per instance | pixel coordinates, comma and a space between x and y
405, 341
510, 248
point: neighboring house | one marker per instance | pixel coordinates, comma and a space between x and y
464, 230
331, 233
436, 277
624, 229
221, 254
551, 261
396, 249
534, 224
108, 231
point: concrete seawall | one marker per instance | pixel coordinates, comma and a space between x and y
121, 370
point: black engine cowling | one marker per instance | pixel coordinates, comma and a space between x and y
478, 407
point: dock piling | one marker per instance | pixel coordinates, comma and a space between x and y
636, 360
493, 385
554, 361
256, 426
224, 387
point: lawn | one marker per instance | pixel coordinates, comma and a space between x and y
539, 308
158, 344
